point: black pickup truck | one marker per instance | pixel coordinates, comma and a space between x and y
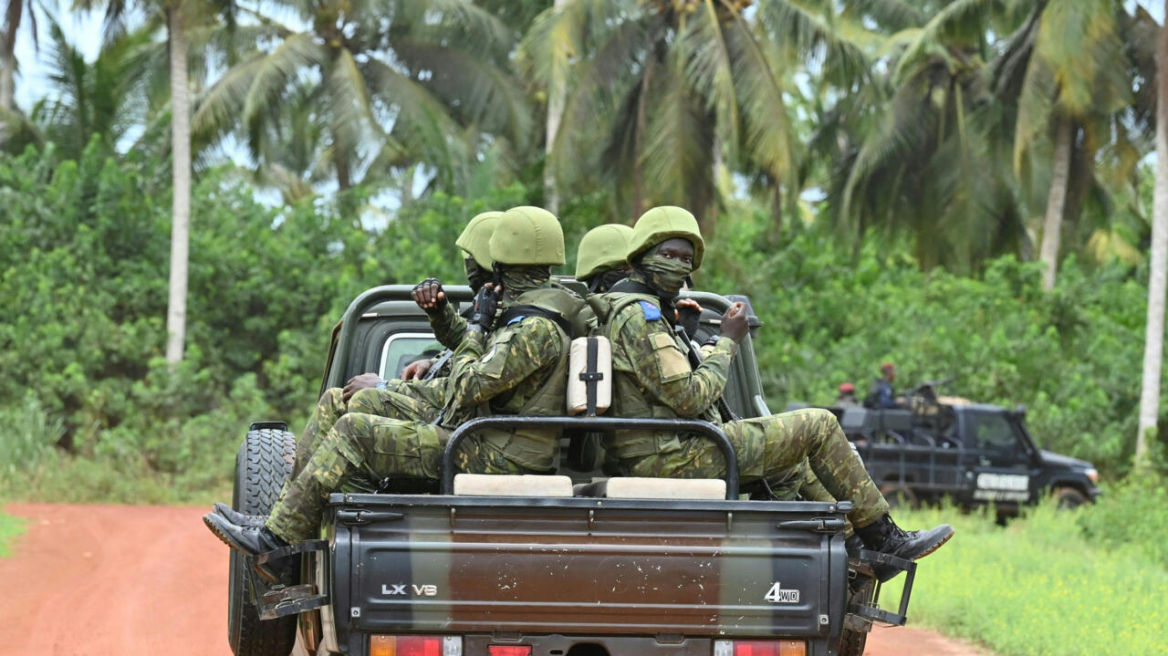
567, 564
975, 454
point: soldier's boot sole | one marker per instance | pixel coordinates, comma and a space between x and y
265, 571
934, 540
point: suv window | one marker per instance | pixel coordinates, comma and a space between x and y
994, 432
403, 348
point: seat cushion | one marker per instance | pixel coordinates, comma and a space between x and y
655, 488
511, 485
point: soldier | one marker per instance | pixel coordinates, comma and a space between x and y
847, 396
653, 378
883, 394
600, 257
411, 397
520, 369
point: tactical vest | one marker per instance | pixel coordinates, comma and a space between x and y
534, 448
629, 396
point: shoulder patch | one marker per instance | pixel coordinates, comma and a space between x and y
517, 319
652, 312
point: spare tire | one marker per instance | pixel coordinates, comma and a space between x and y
262, 465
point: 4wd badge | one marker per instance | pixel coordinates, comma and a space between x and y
778, 595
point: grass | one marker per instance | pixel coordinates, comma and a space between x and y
10, 527
1040, 587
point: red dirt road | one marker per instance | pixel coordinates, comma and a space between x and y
149, 580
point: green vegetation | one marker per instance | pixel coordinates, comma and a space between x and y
1070, 583
10, 527
83, 336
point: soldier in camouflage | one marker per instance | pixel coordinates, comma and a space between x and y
415, 396
653, 378
600, 257
520, 369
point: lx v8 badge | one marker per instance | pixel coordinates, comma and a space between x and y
404, 589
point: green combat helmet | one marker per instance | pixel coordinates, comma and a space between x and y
666, 222
528, 236
601, 248
475, 239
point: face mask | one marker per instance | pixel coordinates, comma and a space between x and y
606, 280
475, 274
519, 280
664, 274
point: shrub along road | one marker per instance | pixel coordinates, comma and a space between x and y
147, 580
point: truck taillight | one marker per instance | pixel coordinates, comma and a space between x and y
509, 650
414, 645
760, 648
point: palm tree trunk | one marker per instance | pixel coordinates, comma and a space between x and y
1056, 201
7, 88
557, 91
7, 81
180, 122
1154, 333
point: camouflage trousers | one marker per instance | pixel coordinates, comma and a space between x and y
775, 449
363, 449
407, 400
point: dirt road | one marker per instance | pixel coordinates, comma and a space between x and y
143, 581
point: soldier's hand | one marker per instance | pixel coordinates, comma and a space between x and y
689, 315
486, 302
734, 323
415, 370
358, 383
429, 295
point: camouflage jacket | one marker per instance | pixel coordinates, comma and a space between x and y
653, 377
520, 369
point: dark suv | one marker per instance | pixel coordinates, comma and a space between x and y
973, 453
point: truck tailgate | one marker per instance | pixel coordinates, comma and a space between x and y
588, 566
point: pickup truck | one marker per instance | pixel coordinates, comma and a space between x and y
566, 564
975, 454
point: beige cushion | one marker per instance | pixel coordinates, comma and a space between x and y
656, 488
509, 485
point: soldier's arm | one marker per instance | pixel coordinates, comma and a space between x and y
664, 370
449, 327
484, 368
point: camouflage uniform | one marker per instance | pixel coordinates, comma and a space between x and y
653, 377
520, 369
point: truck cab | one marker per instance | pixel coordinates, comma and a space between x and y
571, 563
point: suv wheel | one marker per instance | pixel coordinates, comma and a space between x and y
899, 495
262, 465
1069, 498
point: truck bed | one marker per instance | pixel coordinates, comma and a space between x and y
658, 569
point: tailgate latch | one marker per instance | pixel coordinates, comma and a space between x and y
361, 517
816, 525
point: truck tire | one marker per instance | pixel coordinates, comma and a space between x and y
899, 495
262, 465
1069, 498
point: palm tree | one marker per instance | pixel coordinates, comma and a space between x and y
178, 16
104, 98
916, 153
1064, 69
392, 84
666, 88
1158, 275
14, 12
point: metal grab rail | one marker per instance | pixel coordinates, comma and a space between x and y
594, 424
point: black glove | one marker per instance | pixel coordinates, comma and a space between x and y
689, 317
430, 291
482, 316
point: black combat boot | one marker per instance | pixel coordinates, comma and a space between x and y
248, 540
235, 517
885, 536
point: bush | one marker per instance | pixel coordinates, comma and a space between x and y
1040, 586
